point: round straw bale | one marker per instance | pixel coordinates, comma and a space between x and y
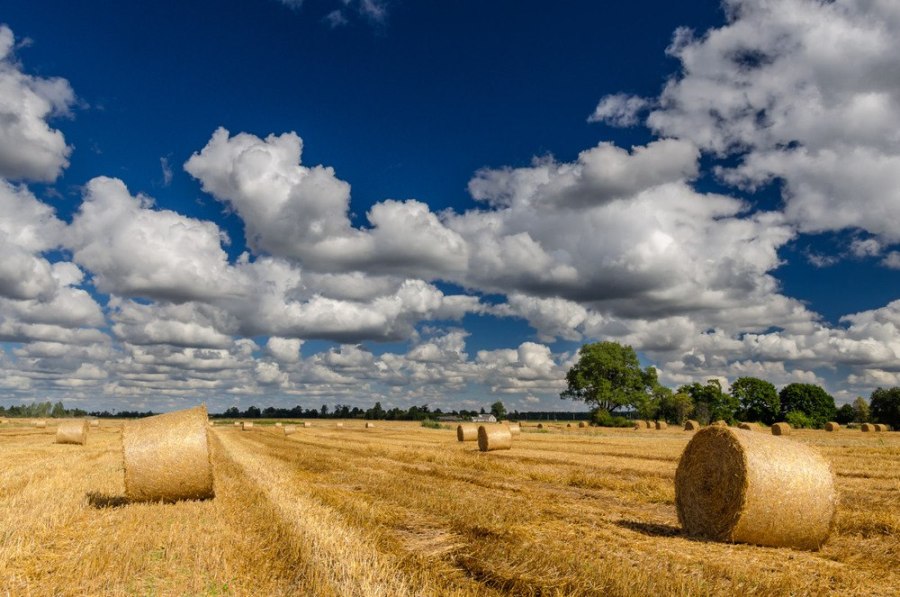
167, 457
370, 425
306, 424
95, 423
691, 425
882, 427
746, 426
639, 425
514, 428
339, 424
72, 431
237, 423
754, 488
661, 425
582, 424
540, 425
866, 427
467, 432
781, 429
278, 424
568, 424
40, 424
289, 429
832, 426
247, 425
494, 437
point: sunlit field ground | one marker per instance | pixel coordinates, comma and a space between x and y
405, 510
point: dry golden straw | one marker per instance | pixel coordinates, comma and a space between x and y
661, 425
514, 428
754, 488
832, 426
167, 457
247, 425
781, 429
72, 432
691, 425
720, 423
289, 429
467, 432
746, 426
640, 424
494, 437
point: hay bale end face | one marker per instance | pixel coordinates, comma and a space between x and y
781, 429
754, 488
494, 437
661, 425
289, 429
866, 427
72, 432
691, 425
247, 425
832, 426
467, 432
167, 457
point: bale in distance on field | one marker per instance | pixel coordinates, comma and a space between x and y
167, 457
72, 431
40, 424
781, 429
746, 426
661, 425
247, 425
754, 488
289, 429
237, 423
339, 425
581, 424
306, 424
95, 423
514, 428
370, 425
278, 424
494, 437
832, 426
540, 425
639, 425
568, 425
866, 427
691, 425
467, 432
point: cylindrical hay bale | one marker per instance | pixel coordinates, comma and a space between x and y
582, 424
781, 429
639, 425
306, 424
661, 425
568, 424
237, 423
247, 425
691, 425
40, 424
867, 427
278, 424
832, 426
339, 424
72, 432
540, 425
514, 428
95, 423
494, 437
467, 432
370, 425
289, 429
167, 457
745, 426
754, 488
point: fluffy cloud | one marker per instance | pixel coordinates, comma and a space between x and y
619, 109
29, 148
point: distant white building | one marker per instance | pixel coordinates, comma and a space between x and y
484, 419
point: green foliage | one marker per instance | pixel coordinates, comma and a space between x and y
861, 411
886, 406
602, 418
376, 412
498, 410
608, 376
757, 398
431, 424
675, 407
809, 399
710, 402
845, 414
799, 420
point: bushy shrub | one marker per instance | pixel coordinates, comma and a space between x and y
431, 424
602, 418
799, 420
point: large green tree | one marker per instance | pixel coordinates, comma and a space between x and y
710, 402
757, 398
675, 407
498, 410
885, 406
861, 411
809, 399
608, 376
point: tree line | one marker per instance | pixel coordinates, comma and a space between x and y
609, 378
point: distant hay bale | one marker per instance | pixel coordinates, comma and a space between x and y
95, 423
467, 432
882, 427
582, 424
306, 424
832, 426
754, 488
289, 429
867, 427
639, 425
247, 425
691, 425
494, 437
540, 425
568, 424
72, 431
278, 424
167, 457
648, 424
514, 428
781, 429
237, 423
661, 425
746, 426
339, 424
370, 425
40, 424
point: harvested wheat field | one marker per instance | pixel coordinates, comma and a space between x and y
399, 509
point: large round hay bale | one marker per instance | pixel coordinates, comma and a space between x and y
247, 425
661, 425
746, 426
781, 429
40, 424
691, 425
832, 426
754, 488
867, 427
167, 457
494, 437
72, 431
514, 428
582, 424
370, 425
289, 429
467, 432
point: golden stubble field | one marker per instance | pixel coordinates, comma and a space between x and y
404, 510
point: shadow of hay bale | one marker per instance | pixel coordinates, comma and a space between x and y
653, 530
101, 500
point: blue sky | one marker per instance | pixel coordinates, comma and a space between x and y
501, 182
